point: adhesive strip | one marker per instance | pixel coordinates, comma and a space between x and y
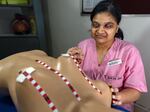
27, 73
85, 77
74, 92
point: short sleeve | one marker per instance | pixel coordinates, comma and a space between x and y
134, 75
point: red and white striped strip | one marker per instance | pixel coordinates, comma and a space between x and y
86, 78
74, 92
27, 73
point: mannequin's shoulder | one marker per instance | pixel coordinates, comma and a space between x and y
31, 53
21, 55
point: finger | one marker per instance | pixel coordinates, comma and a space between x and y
117, 102
75, 52
114, 101
82, 56
114, 89
79, 61
115, 96
71, 50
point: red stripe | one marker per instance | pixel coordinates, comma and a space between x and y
65, 80
77, 95
45, 96
76, 62
40, 90
53, 70
91, 84
61, 76
46, 66
25, 73
35, 84
31, 79
49, 101
70, 86
53, 108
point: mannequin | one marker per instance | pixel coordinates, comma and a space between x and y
27, 99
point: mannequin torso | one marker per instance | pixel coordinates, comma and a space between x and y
27, 99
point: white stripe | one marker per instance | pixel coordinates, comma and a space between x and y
42, 63
38, 87
75, 60
63, 78
90, 82
94, 87
56, 72
55, 110
77, 65
33, 81
80, 69
74, 93
42, 93
48, 67
67, 82
98, 90
50, 105
45, 65
59, 74
86, 78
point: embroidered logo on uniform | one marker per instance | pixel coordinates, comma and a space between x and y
114, 62
112, 77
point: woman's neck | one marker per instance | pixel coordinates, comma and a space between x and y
104, 46
102, 50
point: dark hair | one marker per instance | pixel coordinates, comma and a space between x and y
113, 9
119, 34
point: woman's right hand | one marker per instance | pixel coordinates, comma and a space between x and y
77, 53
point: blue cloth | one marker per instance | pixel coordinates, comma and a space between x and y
119, 108
6, 104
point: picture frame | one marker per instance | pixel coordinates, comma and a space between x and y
88, 5
128, 7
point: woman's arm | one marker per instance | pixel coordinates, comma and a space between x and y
134, 78
128, 95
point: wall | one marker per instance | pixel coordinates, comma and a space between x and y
137, 30
67, 27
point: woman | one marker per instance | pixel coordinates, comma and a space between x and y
106, 57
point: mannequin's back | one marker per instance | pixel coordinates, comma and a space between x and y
26, 97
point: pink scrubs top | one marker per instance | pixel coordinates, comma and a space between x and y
122, 66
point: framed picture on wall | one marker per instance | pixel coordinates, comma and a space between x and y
127, 6
88, 5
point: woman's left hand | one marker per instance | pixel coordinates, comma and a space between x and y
116, 97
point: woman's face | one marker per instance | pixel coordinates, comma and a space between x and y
104, 27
